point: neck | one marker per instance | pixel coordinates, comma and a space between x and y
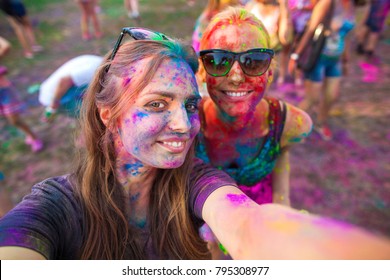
137, 181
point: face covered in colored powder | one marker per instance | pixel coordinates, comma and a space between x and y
159, 127
236, 93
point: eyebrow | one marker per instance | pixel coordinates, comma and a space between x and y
172, 95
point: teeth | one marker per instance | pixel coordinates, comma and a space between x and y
236, 94
174, 144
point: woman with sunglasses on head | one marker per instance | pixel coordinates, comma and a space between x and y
243, 132
138, 193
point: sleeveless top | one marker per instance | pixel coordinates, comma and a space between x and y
255, 179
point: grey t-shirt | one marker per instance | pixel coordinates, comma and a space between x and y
50, 220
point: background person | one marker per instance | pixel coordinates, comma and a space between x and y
21, 24
63, 90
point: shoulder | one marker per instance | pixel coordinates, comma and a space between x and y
298, 125
48, 220
60, 185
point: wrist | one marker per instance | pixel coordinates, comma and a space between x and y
50, 109
294, 56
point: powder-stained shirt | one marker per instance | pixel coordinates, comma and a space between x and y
50, 219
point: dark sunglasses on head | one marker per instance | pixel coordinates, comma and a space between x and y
137, 33
254, 62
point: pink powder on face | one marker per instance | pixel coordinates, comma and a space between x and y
238, 199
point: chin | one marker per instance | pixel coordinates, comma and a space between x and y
235, 111
172, 164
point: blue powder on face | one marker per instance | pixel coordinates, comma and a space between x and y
139, 116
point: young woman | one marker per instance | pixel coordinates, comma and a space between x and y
11, 105
322, 83
139, 194
243, 132
63, 90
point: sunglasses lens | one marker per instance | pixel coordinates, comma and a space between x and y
217, 64
145, 34
255, 63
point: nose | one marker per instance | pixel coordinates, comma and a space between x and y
179, 120
236, 75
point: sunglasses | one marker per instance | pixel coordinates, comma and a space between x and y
254, 62
137, 33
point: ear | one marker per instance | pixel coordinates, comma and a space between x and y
270, 75
201, 73
105, 115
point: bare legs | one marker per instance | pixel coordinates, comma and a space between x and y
322, 97
132, 7
25, 34
88, 13
31, 138
328, 99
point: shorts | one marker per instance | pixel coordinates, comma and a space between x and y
70, 103
326, 66
15, 9
377, 16
10, 102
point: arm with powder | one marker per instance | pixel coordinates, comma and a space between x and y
272, 231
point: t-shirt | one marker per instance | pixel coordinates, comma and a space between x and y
81, 69
50, 219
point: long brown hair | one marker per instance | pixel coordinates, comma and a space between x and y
108, 234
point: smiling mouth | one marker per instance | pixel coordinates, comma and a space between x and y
236, 93
173, 146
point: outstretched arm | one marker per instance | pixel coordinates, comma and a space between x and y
63, 86
271, 231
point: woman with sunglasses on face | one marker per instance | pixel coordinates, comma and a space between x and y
138, 193
243, 132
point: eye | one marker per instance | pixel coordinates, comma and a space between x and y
157, 105
192, 106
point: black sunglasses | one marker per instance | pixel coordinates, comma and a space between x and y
254, 62
137, 33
